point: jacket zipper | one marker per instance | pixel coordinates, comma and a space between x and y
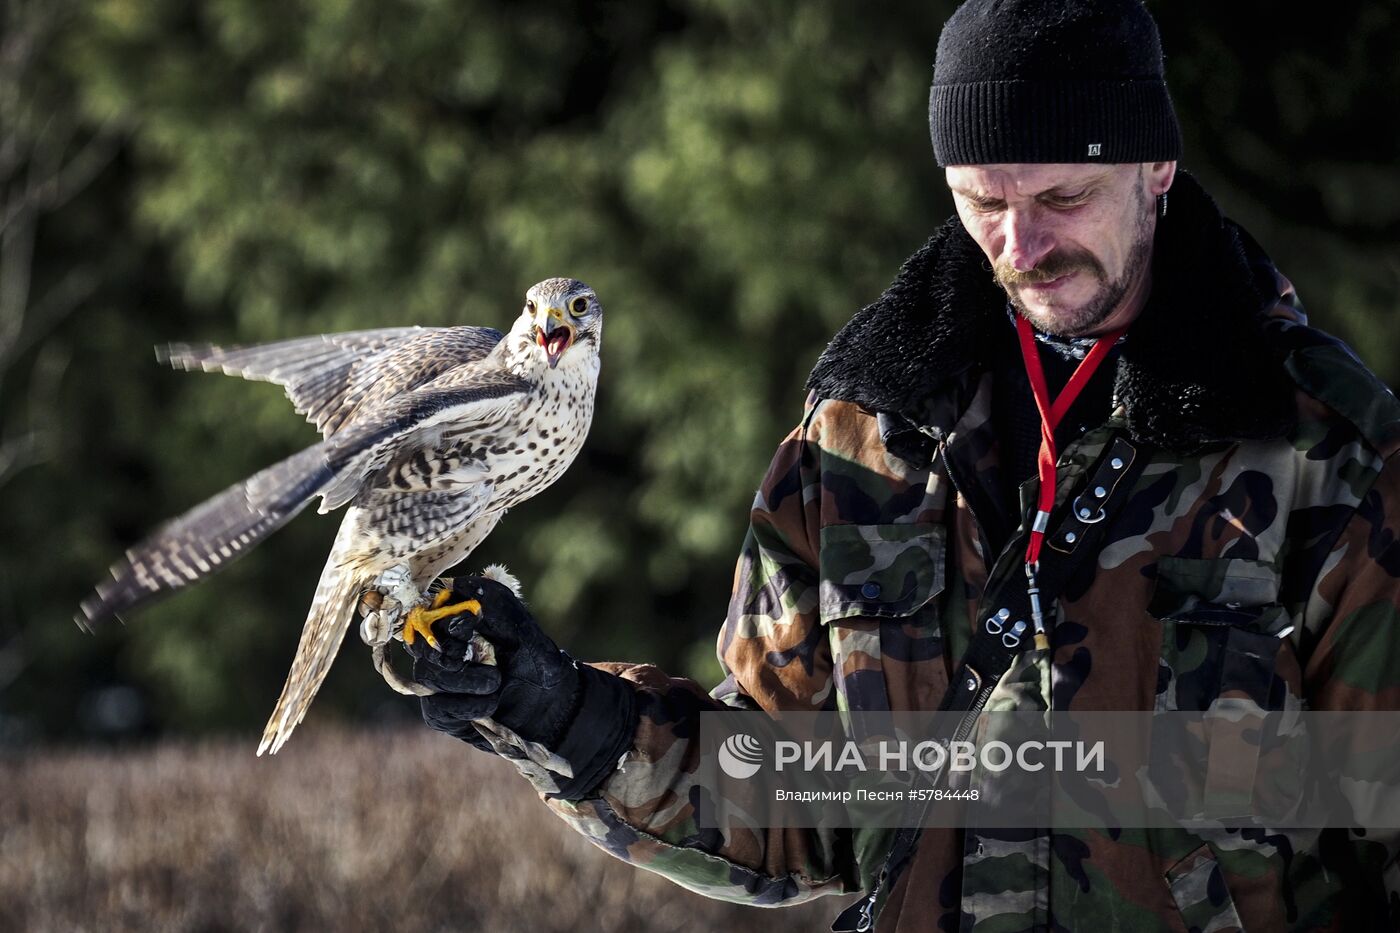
867, 912
970, 715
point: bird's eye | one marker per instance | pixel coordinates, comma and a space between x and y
578, 307
529, 306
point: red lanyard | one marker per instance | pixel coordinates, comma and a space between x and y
1051, 414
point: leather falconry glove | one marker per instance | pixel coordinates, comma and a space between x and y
499, 668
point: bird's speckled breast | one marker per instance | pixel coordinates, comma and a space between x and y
557, 419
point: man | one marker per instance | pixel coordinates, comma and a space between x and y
952, 448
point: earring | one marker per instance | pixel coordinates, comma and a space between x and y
1162, 204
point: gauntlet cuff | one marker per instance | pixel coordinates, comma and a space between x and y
602, 731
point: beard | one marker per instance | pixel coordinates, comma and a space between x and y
1065, 321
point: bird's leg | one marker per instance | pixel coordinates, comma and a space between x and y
420, 619
384, 603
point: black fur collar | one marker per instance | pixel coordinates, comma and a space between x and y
1195, 369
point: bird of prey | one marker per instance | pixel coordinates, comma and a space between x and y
430, 435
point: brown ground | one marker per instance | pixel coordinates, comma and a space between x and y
399, 831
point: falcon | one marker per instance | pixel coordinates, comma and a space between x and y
429, 436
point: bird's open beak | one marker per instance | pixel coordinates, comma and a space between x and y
553, 334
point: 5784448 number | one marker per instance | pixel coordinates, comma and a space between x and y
942, 793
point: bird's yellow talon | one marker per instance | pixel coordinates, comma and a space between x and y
415, 625
420, 620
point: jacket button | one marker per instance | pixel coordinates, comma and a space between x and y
870, 591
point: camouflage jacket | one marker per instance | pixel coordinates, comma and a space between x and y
1272, 488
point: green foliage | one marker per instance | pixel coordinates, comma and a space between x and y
735, 179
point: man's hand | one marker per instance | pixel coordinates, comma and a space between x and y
510, 672
501, 665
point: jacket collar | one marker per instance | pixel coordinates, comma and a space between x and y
1195, 368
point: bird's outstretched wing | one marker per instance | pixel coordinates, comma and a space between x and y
214, 533
208, 537
330, 377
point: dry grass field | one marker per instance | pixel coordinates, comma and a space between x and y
341, 831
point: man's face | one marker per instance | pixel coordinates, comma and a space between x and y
1070, 244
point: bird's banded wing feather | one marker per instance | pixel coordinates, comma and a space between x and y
405, 366
412, 420
328, 377
313, 370
209, 536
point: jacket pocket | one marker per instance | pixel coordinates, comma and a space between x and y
1230, 591
1225, 654
880, 571
1224, 635
1198, 888
877, 599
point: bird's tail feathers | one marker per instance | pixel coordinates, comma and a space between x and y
336, 596
208, 537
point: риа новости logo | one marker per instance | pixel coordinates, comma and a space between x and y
740, 756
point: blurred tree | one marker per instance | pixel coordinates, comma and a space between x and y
733, 178
48, 154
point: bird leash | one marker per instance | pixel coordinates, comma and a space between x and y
1051, 558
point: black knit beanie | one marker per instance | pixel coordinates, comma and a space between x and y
1051, 81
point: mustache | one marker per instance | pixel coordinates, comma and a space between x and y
1048, 269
